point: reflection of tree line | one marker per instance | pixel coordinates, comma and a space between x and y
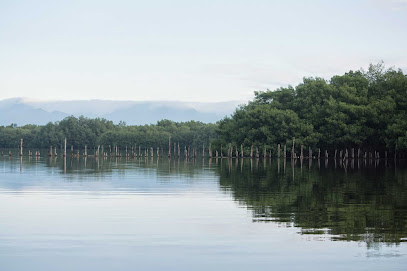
367, 204
91, 165
360, 202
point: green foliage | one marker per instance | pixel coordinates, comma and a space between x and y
362, 109
92, 132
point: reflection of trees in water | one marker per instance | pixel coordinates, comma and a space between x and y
367, 204
361, 201
91, 165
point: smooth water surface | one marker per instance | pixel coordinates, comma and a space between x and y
218, 214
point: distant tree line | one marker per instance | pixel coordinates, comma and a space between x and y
92, 132
360, 109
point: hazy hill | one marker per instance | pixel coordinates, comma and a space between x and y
14, 111
25, 111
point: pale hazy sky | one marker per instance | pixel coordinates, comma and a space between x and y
189, 50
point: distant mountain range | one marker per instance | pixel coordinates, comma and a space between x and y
23, 111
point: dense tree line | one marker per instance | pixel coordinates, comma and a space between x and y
92, 132
360, 109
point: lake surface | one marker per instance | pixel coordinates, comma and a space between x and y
218, 214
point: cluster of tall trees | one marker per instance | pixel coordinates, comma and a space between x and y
92, 132
360, 109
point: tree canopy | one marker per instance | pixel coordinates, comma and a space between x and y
92, 132
360, 109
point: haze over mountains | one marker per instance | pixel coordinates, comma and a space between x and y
23, 111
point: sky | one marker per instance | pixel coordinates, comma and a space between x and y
184, 50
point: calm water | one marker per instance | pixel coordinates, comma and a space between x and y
149, 214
